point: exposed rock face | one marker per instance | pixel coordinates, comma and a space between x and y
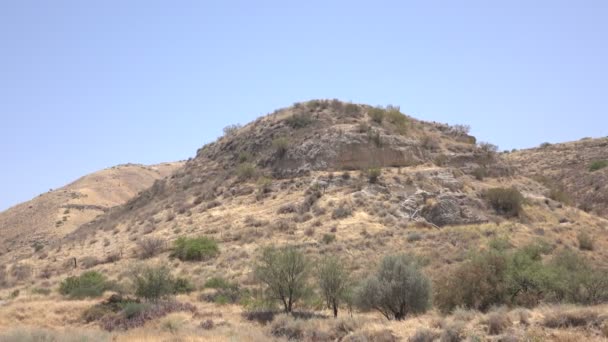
452, 209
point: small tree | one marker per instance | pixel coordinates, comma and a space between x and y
334, 281
284, 272
397, 289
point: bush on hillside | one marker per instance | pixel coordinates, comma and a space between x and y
397, 289
195, 249
246, 171
280, 146
89, 284
299, 120
373, 174
598, 165
150, 247
505, 201
154, 283
585, 241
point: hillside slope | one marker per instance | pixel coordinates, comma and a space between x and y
567, 169
52, 215
328, 178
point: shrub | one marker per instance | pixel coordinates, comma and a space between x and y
478, 283
182, 285
150, 247
89, 284
397, 289
334, 282
21, 271
299, 120
480, 173
246, 171
154, 283
225, 292
342, 211
598, 165
497, 322
394, 116
573, 279
585, 241
217, 283
280, 146
373, 174
231, 129
133, 315
423, 335
195, 249
284, 273
376, 114
505, 201
571, 318
328, 238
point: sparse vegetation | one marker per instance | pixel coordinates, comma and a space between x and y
231, 129
195, 249
154, 283
397, 289
598, 165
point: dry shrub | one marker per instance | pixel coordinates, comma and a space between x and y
150, 247
497, 322
27, 334
287, 209
126, 319
384, 335
423, 335
342, 211
452, 333
576, 317
89, 261
21, 272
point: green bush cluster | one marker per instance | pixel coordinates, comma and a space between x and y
89, 284
520, 277
195, 249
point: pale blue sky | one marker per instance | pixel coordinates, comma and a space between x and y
89, 84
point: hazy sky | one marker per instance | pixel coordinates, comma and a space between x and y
85, 85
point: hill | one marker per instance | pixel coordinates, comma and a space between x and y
329, 179
574, 172
52, 215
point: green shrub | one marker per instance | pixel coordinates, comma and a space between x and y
394, 116
89, 284
598, 165
328, 238
182, 285
585, 241
376, 114
195, 249
280, 146
397, 289
217, 283
505, 201
246, 171
154, 283
284, 273
299, 120
373, 174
